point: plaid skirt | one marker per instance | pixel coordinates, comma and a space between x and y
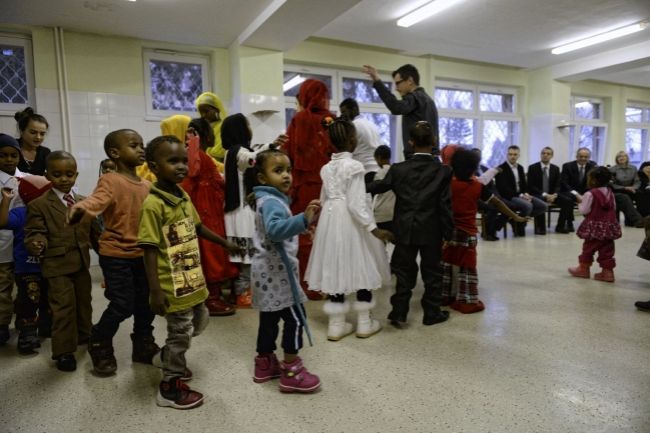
460, 250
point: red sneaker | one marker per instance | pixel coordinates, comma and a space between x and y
296, 378
466, 308
266, 368
176, 394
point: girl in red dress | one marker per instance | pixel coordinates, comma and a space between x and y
206, 187
309, 149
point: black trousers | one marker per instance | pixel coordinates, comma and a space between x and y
404, 265
269, 329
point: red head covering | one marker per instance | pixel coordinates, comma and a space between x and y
447, 152
308, 145
32, 187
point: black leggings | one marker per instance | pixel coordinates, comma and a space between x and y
269, 329
363, 295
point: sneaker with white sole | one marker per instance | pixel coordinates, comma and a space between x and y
176, 394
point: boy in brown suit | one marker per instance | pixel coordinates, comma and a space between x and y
64, 258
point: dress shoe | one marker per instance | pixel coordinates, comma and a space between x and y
217, 307
643, 306
569, 227
490, 238
397, 320
639, 224
66, 362
561, 229
433, 318
540, 231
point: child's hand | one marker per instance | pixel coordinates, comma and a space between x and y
281, 140
234, 249
313, 209
74, 215
158, 302
8, 193
578, 198
383, 235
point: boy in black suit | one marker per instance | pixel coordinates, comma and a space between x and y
422, 220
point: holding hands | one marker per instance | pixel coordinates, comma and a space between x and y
383, 235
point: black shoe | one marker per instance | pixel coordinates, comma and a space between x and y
540, 231
144, 348
101, 352
490, 238
4, 334
66, 362
397, 320
44, 331
28, 341
569, 227
563, 230
433, 318
643, 306
639, 224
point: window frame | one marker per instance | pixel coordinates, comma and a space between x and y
577, 123
171, 56
478, 116
643, 125
9, 109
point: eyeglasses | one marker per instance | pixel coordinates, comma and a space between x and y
397, 83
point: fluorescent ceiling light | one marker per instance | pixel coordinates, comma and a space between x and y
425, 12
293, 82
599, 38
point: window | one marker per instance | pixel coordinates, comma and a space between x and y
637, 133
173, 82
473, 115
342, 85
590, 129
16, 74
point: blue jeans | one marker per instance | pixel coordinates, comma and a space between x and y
128, 293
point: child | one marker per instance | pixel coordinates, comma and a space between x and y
274, 273
9, 158
32, 287
107, 166
236, 137
421, 222
168, 230
644, 253
383, 205
599, 228
205, 186
346, 257
466, 191
118, 196
64, 258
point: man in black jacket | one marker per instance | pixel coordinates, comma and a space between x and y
573, 180
544, 183
511, 184
416, 105
421, 222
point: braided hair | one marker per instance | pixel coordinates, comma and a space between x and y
340, 131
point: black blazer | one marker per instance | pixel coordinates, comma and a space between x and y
535, 179
506, 184
423, 200
570, 177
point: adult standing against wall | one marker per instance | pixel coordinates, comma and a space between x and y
368, 138
33, 129
625, 183
415, 105
212, 109
309, 149
573, 180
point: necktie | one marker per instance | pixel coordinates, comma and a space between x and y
545, 180
69, 200
582, 173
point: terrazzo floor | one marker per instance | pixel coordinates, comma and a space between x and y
550, 353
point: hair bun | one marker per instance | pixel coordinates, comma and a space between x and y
29, 111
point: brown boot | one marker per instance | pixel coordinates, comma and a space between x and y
580, 271
216, 306
606, 275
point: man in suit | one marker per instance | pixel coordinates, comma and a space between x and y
544, 183
63, 249
494, 221
573, 180
511, 184
422, 221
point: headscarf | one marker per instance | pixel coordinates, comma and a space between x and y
308, 145
213, 100
175, 125
235, 135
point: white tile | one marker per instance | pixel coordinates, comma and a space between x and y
97, 103
47, 100
98, 125
81, 147
78, 102
79, 125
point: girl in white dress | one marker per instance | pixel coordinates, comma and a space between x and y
348, 255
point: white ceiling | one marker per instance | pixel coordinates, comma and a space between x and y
510, 32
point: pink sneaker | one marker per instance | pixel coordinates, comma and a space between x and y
296, 378
266, 368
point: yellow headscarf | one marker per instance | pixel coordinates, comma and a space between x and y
175, 125
217, 151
